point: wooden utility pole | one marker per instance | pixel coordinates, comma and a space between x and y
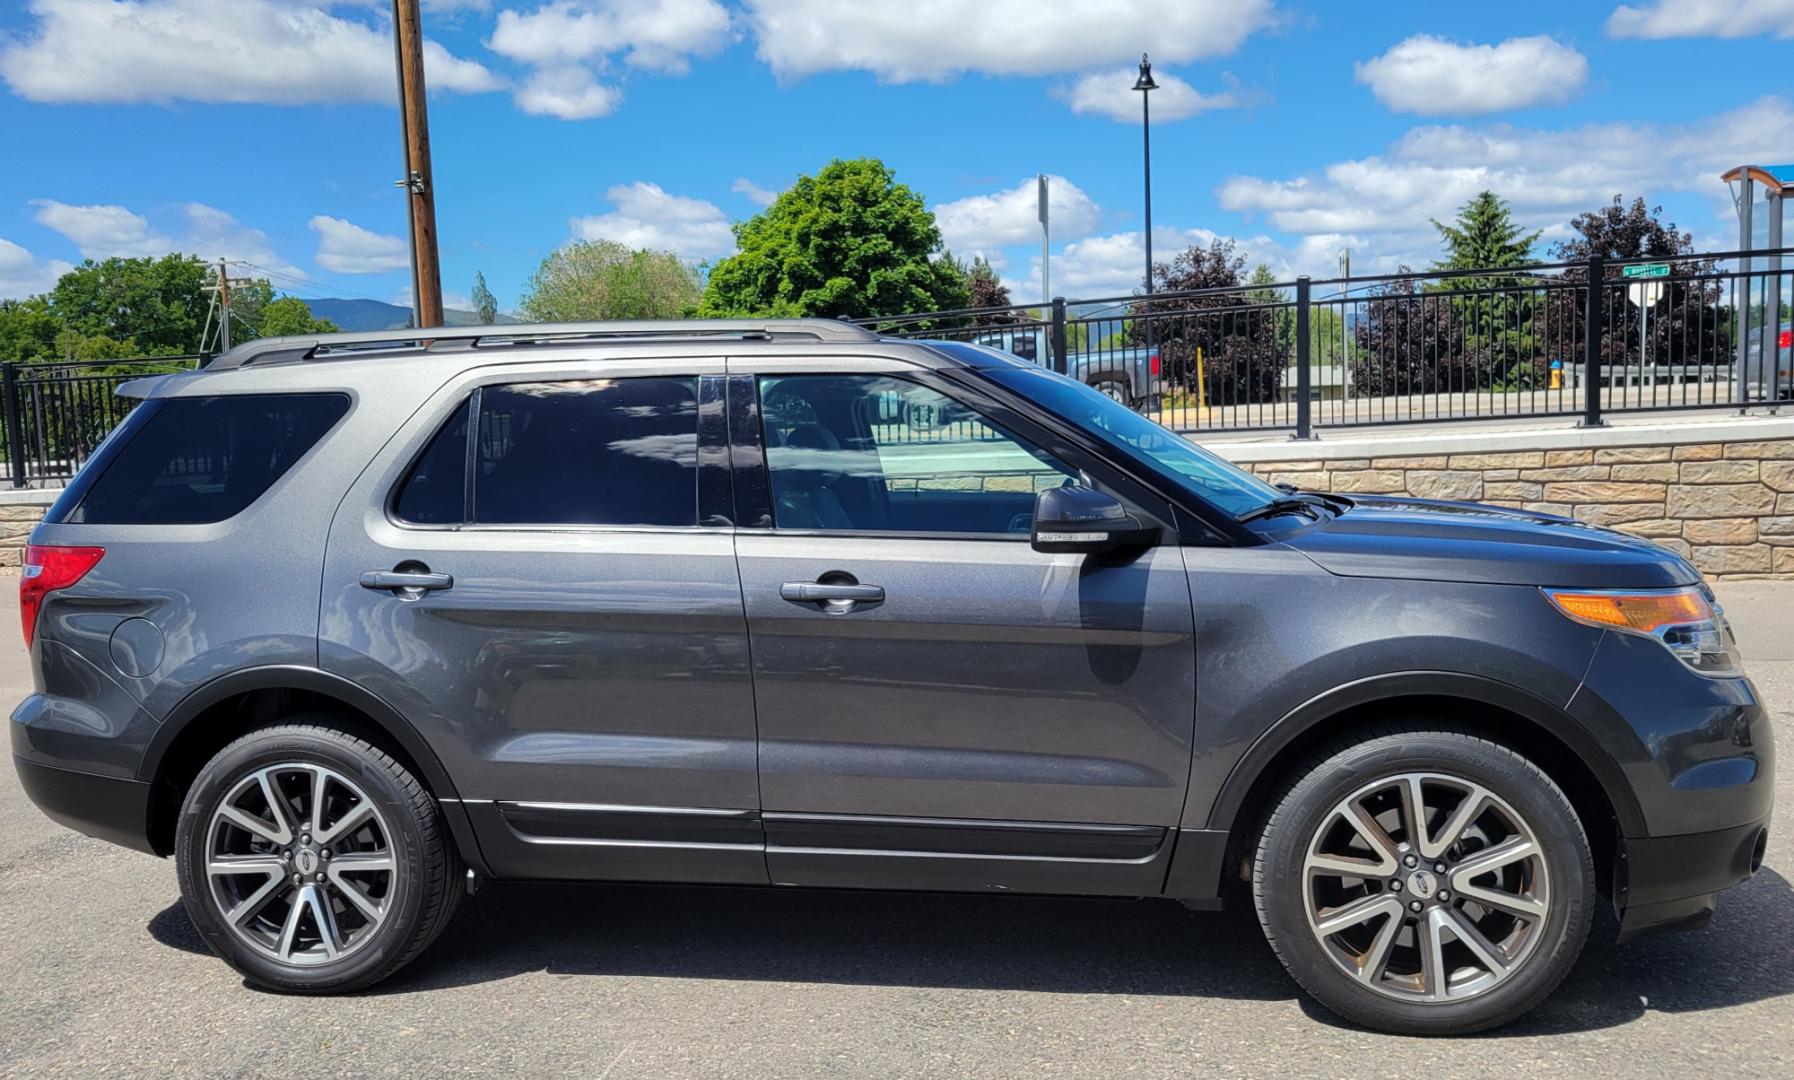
420, 197
223, 307
222, 287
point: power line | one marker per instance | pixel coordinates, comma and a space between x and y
325, 291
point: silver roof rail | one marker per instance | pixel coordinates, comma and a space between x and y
346, 346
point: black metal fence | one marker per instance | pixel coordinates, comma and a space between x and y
56, 413
1581, 339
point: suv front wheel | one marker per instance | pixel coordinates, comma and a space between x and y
1425, 882
311, 861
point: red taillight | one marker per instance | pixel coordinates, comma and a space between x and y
1786, 340
1154, 360
49, 567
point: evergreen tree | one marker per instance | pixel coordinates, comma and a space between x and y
1496, 318
1484, 236
485, 305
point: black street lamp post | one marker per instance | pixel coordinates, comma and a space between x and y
1146, 86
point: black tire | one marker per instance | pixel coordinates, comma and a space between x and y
424, 890
1330, 777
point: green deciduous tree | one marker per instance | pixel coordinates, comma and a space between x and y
848, 242
485, 305
290, 315
601, 279
28, 329
160, 304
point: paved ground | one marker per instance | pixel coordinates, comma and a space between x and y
100, 973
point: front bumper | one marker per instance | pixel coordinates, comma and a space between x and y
1698, 758
1669, 882
105, 807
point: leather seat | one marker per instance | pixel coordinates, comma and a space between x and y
806, 501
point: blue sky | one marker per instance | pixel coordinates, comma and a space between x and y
264, 130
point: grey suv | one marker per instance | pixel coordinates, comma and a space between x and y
347, 625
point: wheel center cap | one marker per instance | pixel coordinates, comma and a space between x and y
306, 861
1422, 884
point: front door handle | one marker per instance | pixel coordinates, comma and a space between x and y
814, 592
407, 584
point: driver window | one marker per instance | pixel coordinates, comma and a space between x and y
871, 453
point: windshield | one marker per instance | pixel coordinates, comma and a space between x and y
1222, 483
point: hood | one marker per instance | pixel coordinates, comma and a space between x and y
1450, 541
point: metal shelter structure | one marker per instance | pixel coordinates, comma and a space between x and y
1761, 193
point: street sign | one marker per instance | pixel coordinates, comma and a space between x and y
1645, 270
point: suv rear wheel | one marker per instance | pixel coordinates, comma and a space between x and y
311, 861
1425, 882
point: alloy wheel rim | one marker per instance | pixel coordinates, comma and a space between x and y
1426, 887
299, 864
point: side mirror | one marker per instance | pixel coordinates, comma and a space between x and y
1082, 519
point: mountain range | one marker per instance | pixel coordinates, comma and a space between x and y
378, 315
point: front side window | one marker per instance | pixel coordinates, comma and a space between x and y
1221, 482
587, 452
870, 453
197, 460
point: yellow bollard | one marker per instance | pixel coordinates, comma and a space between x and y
1201, 398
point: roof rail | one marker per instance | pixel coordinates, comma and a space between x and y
275, 350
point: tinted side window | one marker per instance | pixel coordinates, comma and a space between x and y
595, 452
878, 454
204, 459
435, 490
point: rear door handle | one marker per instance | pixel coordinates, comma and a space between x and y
812, 592
406, 582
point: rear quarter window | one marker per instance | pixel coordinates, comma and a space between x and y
197, 460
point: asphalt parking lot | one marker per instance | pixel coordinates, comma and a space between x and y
101, 973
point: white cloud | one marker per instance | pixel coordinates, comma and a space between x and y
22, 274
980, 224
568, 92
1548, 176
213, 234
647, 216
100, 232
1435, 77
1112, 94
754, 192
104, 231
276, 52
1702, 18
1115, 264
346, 248
659, 35
569, 41
933, 40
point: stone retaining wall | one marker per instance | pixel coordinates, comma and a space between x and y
1728, 506
16, 522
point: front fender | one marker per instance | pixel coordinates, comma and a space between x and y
1392, 688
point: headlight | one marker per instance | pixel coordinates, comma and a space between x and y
1683, 621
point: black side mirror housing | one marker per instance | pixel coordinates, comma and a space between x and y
1082, 519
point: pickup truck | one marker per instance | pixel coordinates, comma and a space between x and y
1130, 375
